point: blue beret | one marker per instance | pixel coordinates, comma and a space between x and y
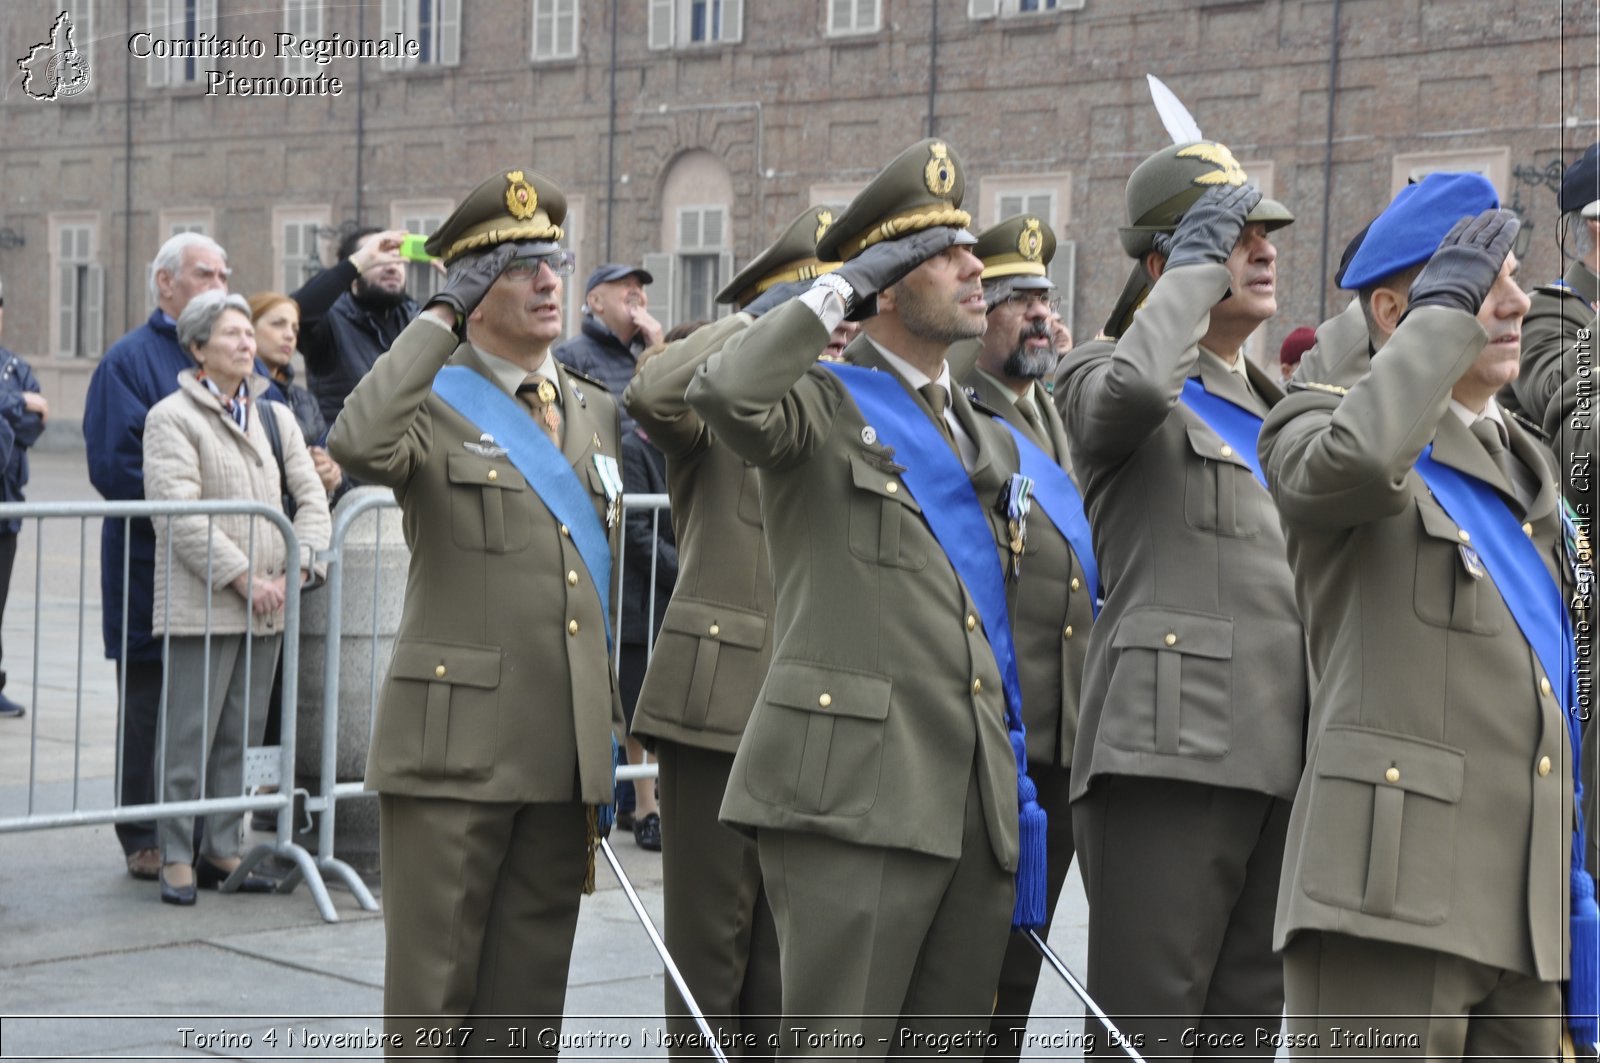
1411, 227
1580, 185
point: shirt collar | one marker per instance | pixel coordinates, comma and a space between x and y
1002, 387
914, 376
1491, 411
510, 376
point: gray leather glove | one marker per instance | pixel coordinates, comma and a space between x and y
775, 297
881, 265
1209, 229
1462, 271
470, 276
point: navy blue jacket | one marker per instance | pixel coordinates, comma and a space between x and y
596, 352
340, 338
23, 425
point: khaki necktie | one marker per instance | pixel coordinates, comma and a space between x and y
939, 399
1488, 434
543, 401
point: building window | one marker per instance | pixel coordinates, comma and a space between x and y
703, 261
555, 29
294, 253
186, 220
1493, 163
193, 21
992, 8
689, 22
303, 20
422, 217
434, 24
853, 16
78, 294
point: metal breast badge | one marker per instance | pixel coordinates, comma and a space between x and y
485, 447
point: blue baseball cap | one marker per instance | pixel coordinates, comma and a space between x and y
1580, 185
1413, 225
615, 271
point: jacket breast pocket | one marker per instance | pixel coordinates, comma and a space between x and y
441, 710
1220, 493
1452, 587
817, 744
1172, 683
482, 491
711, 639
880, 509
1381, 830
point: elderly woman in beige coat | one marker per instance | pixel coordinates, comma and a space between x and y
220, 580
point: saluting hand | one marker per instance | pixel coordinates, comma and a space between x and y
1462, 271
883, 264
469, 278
1210, 228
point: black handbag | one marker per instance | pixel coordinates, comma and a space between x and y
269, 421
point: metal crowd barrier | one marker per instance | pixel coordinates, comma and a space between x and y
262, 766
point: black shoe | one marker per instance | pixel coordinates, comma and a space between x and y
624, 820
10, 709
181, 895
211, 877
647, 832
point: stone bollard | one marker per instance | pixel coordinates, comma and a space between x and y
374, 558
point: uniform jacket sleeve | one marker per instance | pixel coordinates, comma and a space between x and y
26, 425
316, 297
1113, 404
655, 396
1345, 462
385, 431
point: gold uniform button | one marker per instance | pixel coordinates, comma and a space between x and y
892, 487
825, 700
1544, 766
972, 622
1076, 583
494, 474
572, 578
977, 686
1171, 639
572, 627
439, 671
715, 630
1392, 775
1066, 632
1226, 451
1527, 529
1465, 536
566, 531
1544, 686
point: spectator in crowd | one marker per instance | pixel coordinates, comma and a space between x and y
351, 313
136, 372
22, 415
1294, 347
617, 328
277, 323
223, 606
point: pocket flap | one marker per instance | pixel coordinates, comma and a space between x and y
1436, 523
1383, 758
1206, 443
484, 472
1197, 634
817, 688
881, 482
447, 662
725, 623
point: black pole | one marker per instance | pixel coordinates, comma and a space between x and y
128, 316
933, 71
611, 136
361, 110
1327, 166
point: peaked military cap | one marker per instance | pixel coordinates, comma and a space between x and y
791, 257
1017, 250
1414, 223
920, 189
511, 205
1164, 186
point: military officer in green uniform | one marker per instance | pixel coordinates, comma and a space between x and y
1055, 606
1341, 351
709, 662
1194, 695
876, 770
1424, 897
496, 723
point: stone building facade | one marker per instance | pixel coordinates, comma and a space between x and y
688, 132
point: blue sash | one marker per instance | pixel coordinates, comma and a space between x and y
546, 469
1238, 427
950, 506
1058, 496
1540, 610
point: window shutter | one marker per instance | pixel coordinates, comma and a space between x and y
155, 70
566, 36
205, 21
1064, 272
94, 311
662, 293
713, 228
689, 229
392, 21
732, 20
1006, 205
724, 275
983, 8
449, 33
839, 12
67, 308
661, 23
1043, 204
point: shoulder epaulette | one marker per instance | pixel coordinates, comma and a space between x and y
586, 378
1316, 385
978, 403
1558, 287
1527, 424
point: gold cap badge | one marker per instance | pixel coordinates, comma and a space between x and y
1227, 172
939, 175
1030, 243
824, 219
521, 199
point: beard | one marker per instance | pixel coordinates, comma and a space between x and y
1029, 363
376, 299
932, 318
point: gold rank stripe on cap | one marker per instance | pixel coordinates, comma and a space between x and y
800, 271
909, 221
535, 230
1012, 266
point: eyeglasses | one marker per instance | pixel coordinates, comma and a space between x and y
1025, 301
560, 263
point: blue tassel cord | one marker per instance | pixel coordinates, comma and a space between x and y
1029, 912
1583, 986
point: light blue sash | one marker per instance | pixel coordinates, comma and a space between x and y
548, 473
1239, 428
1058, 496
